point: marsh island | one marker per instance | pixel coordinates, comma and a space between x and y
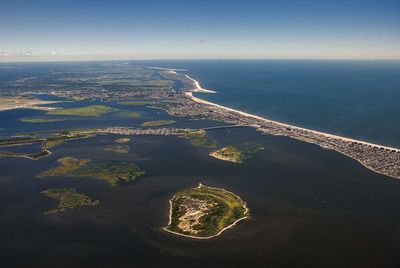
68, 198
158, 123
112, 172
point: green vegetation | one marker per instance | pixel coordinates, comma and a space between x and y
158, 123
237, 153
122, 140
62, 137
136, 103
112, 172
19, 141
93, 111
47, 142
130, 114
121, 149
199, 138
40, 120
54, 142
68, 198
204, 212
32, 156
49, 137
79, 98
158, 107
229, 153
67, 166
137, 82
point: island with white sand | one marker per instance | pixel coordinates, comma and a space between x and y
204, 212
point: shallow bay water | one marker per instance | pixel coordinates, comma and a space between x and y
310, 207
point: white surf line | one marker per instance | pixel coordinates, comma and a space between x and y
167, 69
207, 237
198, 100
197, 86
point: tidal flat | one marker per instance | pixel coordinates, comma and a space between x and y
121, 149
136, 103
129, 114
40, 120
158, 123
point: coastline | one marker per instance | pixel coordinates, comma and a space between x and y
197, 86
195, 83
198, 100
378, 158
206, 237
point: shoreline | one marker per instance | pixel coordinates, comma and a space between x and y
226, 159
43, 108
197, 86
201, 101
195, 83
206, 237
381, 159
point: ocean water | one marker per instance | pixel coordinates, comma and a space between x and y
359, 99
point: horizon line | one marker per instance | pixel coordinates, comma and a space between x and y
25, 60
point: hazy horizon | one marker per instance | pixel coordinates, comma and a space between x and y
134, 30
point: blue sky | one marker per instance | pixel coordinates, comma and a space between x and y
200, 29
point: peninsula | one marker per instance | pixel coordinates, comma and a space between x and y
24, 102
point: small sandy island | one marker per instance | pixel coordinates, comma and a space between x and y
204, 212
229, 153
237, 153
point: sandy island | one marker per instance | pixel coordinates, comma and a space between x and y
246, 209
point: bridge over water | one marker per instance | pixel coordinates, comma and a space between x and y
231, 126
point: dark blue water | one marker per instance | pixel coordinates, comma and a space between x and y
359, 99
